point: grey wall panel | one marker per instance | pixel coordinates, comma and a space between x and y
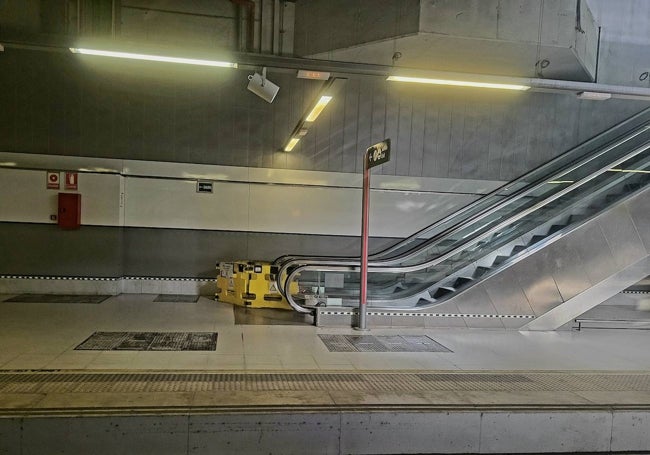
10, 435
72, 105
194, 253
401, 152
198, 22
331, 24
350, 114
177, 252
44, 249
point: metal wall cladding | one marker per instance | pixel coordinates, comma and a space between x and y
62, 104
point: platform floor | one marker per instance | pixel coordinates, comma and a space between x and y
272, 386
38, 336
43, 336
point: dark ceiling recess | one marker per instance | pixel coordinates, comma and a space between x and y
249, 5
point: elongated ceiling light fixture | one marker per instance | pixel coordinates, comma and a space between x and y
291, 144
457, 83
318, 108
153, 58
324, 97
631, 171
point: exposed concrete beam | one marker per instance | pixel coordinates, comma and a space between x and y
250, 61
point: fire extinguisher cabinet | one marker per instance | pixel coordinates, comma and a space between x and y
69, 210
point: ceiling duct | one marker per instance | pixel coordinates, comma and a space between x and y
551, 39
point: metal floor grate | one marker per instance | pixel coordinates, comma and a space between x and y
57, 298
364, 382
176, 298
370, 343
150, 341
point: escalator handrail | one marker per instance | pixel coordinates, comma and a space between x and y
343, 266
476, 217
280, 260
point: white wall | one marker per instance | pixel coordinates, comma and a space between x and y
154, 194
25, 198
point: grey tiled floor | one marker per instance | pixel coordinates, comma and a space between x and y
43, 336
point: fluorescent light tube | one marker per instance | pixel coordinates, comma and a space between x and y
292, 143
315, 112
425, 80
153, 58
632, 171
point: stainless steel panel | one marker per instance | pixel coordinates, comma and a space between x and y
622, 236
639, 209
594, 251
576, 306
538, 285
569, 273
506, 293
475, 301
448, 307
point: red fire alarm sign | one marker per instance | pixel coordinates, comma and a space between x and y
53, 182
71, 182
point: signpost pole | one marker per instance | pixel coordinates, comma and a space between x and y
365, 215
374, 156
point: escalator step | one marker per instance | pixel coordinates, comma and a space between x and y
461, 281
517, 249
499, 260
441, 292
536, 238
555, 228
575, 219
480, 271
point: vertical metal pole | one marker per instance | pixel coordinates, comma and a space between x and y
365, 209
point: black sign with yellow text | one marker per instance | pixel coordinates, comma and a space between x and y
378, 154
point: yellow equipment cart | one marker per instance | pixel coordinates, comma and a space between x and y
251, 284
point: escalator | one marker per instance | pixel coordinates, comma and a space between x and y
529, 244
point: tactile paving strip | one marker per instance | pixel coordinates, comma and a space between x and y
370, 343
369, 382
176, 298
150, 341
57, 298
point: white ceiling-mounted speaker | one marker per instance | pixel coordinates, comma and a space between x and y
262, 87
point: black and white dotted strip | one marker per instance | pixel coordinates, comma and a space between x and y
86, 278
438, 315
152, 278
72, 278
637, 292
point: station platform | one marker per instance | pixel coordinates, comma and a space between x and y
269, 382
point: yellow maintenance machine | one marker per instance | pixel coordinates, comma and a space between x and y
251, 284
